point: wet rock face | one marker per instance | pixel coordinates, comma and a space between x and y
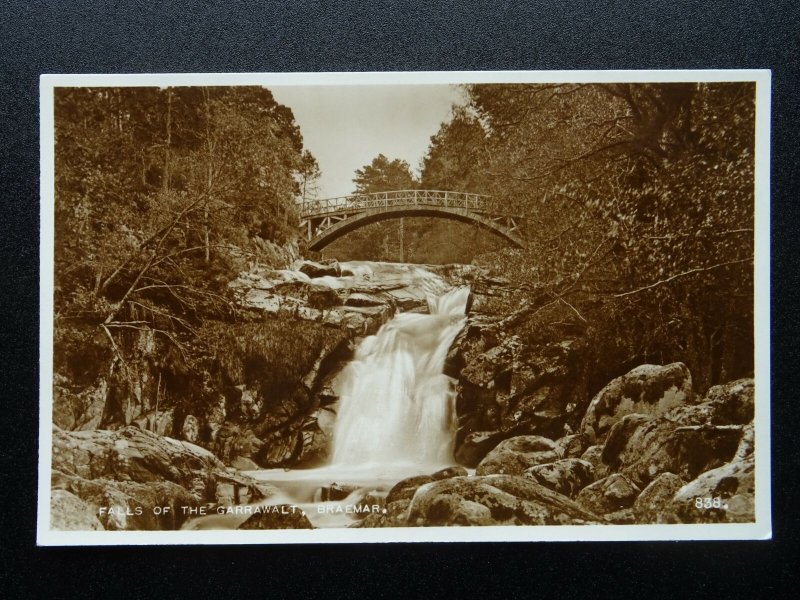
648, 390
506, 388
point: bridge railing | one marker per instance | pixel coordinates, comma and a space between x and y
359, 202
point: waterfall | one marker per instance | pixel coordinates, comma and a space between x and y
396, 406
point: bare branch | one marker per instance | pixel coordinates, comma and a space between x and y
684, 274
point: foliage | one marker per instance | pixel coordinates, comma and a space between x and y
160, 195
267, 354
639, 209
383, 240
419, 239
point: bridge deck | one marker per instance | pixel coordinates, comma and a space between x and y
359, 202
323, 221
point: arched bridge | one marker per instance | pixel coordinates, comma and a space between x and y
323, 221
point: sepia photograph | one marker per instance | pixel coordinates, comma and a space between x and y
374, 307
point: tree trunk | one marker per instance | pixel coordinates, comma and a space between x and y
165, 180
402, 240
209, 176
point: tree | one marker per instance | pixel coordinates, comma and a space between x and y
309, 173
638, 203
385, 240
454, 161
383, 175
161, 194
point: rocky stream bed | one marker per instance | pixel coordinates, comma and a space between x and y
532, 446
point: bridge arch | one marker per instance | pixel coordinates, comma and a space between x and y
324, 221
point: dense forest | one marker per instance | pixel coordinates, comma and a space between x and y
163, 195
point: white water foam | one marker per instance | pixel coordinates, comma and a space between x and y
396, 405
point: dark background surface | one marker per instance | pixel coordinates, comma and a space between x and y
135, 37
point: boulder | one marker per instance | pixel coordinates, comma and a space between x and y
395, 516
732, 403
655, 504
572, 446
614, 493
315, 269
70, 513
279, 516
648, 389
406, 488
517, 454
123, 505
643, 448
567, 476
620, 436
492, 500
398, 499
593, 455
131, 454
123, 476
733, 484
242, 463
477, 445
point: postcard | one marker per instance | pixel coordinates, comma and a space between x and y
393, 307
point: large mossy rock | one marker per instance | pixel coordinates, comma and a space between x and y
567, 476
124, 476
70, 513
648, 390
686, 440
733, 483
614, 493
516, 455
132, 454
656, 502
492, 500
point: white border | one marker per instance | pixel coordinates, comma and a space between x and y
760, 530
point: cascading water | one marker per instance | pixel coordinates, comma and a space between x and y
396, 405
395, 415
